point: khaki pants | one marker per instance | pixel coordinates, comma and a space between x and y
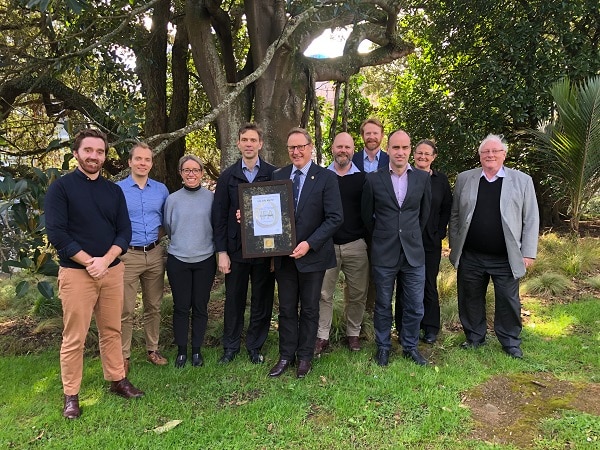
82, 296
148, 269
353, 261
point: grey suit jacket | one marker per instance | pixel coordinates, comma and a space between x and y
394, 228
518, 208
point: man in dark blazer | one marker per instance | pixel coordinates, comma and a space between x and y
435, 231
318, 215
372, 157
228, 244
396, 202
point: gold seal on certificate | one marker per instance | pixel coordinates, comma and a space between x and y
269, 243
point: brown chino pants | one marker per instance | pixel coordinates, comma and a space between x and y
82, 296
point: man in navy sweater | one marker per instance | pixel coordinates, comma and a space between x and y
88, 224
350, 250
228, 244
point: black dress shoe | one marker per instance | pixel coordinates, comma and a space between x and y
256, 357
197, 360
429, 338
228, 356
382, 357
513, 352
471, 344
125, 389
281, 366
415, 356
180, 361
71, 409
304, 367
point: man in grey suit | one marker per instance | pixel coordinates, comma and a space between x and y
493, 233
395, 206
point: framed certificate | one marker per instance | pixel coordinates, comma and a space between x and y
267, 218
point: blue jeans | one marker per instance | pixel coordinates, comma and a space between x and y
412, 282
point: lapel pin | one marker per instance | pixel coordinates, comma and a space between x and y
312, 178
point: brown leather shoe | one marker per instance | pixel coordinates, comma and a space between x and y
303, 368
126, 366
71, 409
354, 343
125, 389
321, 345
281, 366
157, 359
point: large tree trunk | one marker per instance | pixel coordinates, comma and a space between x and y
208, 64
180, 101
151, 66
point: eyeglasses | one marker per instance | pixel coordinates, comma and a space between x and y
494, 151
293, 148
188, 171
427, 155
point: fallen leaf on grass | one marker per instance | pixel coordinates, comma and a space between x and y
167, 426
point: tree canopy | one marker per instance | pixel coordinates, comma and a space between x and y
144, 70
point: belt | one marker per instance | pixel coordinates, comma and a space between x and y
144, 248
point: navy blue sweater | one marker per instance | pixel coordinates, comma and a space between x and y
85, 214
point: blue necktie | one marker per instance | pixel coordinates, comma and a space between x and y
296, 184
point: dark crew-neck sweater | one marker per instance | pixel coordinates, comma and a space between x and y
86, 214
485, 234
352, 228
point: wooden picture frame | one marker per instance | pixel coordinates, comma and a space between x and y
267, 218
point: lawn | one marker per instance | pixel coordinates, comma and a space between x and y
466, 399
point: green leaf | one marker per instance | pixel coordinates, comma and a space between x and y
49, 268
20, 187
46, 289
76, 5
22, 288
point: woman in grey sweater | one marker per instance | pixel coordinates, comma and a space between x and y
191, 263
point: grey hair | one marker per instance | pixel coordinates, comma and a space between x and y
302, 131
493, 137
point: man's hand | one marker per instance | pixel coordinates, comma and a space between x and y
97, 267
224, 262
301, 249
528, 262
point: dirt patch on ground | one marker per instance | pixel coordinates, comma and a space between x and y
24, 335
507, 409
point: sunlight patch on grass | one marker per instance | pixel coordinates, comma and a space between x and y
558, 326
43, 385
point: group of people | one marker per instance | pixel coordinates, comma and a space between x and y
370, 214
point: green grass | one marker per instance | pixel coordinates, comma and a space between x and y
346, 401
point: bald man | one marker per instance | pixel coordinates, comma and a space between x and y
350, 250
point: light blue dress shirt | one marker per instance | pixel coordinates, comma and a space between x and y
145, 208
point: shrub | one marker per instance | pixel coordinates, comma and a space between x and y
549, 283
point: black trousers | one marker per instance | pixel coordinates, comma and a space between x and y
261, 303
430, 324
190, 285
474, 273
298, 328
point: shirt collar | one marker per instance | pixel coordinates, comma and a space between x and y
304, 169
245, 166
353, 169
366, 155
501, 174
408, 168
